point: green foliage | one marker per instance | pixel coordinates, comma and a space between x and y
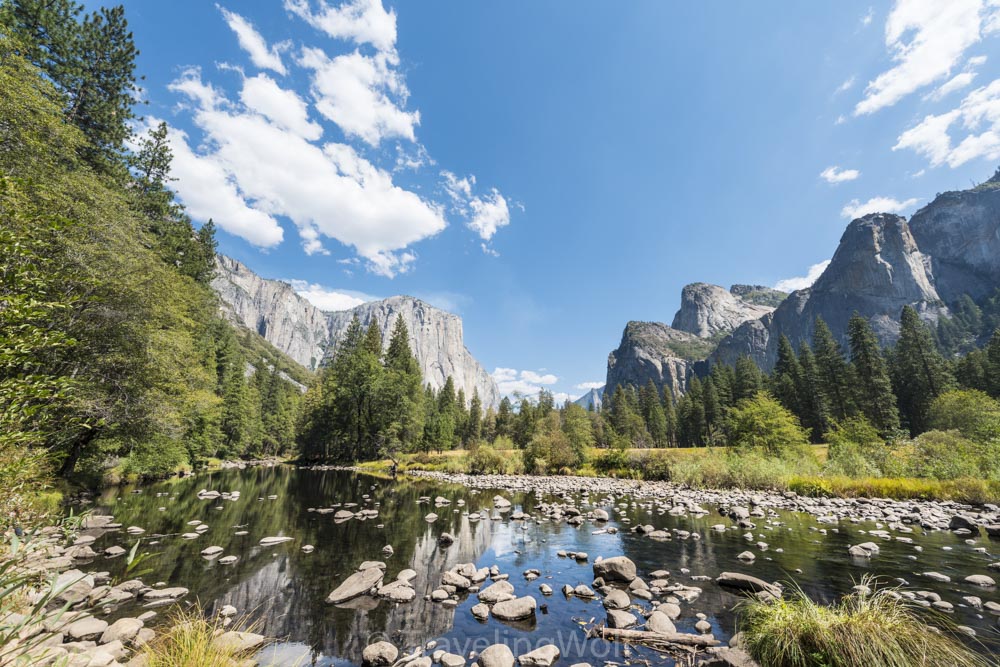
941, 455
550, 449
856, 449
761, 423
880, 628
873, 391
919, 373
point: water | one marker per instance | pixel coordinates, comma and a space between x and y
283, 589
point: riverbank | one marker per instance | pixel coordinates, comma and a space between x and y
710, 467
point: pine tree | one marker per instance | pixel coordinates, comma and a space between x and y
474, 425
992, 365
713, 411
786, 378
815, 415
832, 372
749, 379
652, 413
691, 425
873, 389
505, 419
919, 373
670, 418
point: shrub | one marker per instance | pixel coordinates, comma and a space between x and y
764, 424
484, 460
550, 449
875, 629
856, 449
611, 461
942, 455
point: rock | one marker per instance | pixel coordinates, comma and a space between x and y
271, 541
980, 580
123, 630
228, 560
211, 551
481, 611
937, 576
446, 539
621, 619
584, 591
453, 579
617, 599
747, 556
661, 623
439, 595
599, 515
74, 586
86, 629
654, 351
617, 568
452, 660
114, 552
703, 626
357, 584
497, 655
709, 310
238, 642
379, 654
745, 582
517, 609
865, 550
397, 591
963, 522
673, 611
543, 656
227, 611
165, 593
497, 592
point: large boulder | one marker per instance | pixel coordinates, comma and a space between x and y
745, 582
616, 568
355, 585
497, 592
379, 654
497, 655
660, 623
517, 609
543, 656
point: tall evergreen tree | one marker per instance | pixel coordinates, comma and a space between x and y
505, 419
919, 373
748, 379
873, 387
652, 413
815, 415
832, 372
787, 377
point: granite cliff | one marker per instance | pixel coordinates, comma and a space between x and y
308, 335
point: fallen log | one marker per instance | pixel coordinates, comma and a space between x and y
652, 639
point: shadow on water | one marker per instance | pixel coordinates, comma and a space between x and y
284, 589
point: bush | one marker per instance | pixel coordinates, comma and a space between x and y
550, 450
856, 449
611, 461
484, 460
762, 423
942, 455
875, 629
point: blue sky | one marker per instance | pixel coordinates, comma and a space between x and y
551, 170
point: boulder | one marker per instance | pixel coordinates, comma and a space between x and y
616, 568
497, 655
621, 619
543, 656
497, 592
123, 630
616, 599
238, 642
980, 580
355, 585
271, 541
517, 609
379, 654
661, 623
86, 629
745, 582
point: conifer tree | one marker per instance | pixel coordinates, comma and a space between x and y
873, 387
832, 372
815, 416
919, 373
652, 412
787, 377
748, 379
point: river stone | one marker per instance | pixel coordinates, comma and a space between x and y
616, 599
238, 642
937, 576
446, 539
980, 580
165, 593
271, 541
73, 585
497, 655
379, 654
454, 579
497, 592
228, 560
481, 611
211, 551
543, 656
114, 552
439, 595
616, 568
747, 556
517, 609
661, 623
599, 515
703, 626
397, 591
86, 629
621, 619
963, 522
865, 550
745, 582
357, 584
227, 611
584, 591
452, 660
368, 564
123, 630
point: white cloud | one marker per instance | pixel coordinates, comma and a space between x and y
977, 118
484, 214
328, 299
283, 107
525, 383
867, 18
957, 82
847, 85
802, 282
326, 190
938, 35
856, 208
837, 175
363, 95
360, 21
251, 41
590, 385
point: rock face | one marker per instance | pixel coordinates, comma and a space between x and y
592, 398
960, 231
309, 335
709, 310
876, 270
654, 351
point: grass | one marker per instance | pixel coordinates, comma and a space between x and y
190, 642
875, 630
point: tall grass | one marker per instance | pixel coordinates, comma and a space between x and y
190, 642
875, 630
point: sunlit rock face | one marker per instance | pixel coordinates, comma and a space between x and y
654, 351
309, 335
708, 310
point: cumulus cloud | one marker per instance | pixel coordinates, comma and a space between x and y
484, 214
802, 282
837, 175
251, 41
857, 208
587, 386
327, 191
360, 21
328, 299
522, 383
927, 39
282, 107
955, 137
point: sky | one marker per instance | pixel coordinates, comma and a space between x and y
550, 170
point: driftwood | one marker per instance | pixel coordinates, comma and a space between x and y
659, 640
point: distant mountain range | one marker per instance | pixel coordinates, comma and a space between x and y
309, 335
948, 249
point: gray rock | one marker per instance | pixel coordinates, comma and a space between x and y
708, 310
123, 630
86, 629
621, 619
617, 568
661, 623
980, 580
355, 585
497, 592
616, 599
481, 611
497, 655
543, 656
379, 654
452, 660
272, 541
517, 609
238, 642
746, 582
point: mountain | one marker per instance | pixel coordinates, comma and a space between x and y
592, 398
708, 310
308, 335
654, 351
948, 249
